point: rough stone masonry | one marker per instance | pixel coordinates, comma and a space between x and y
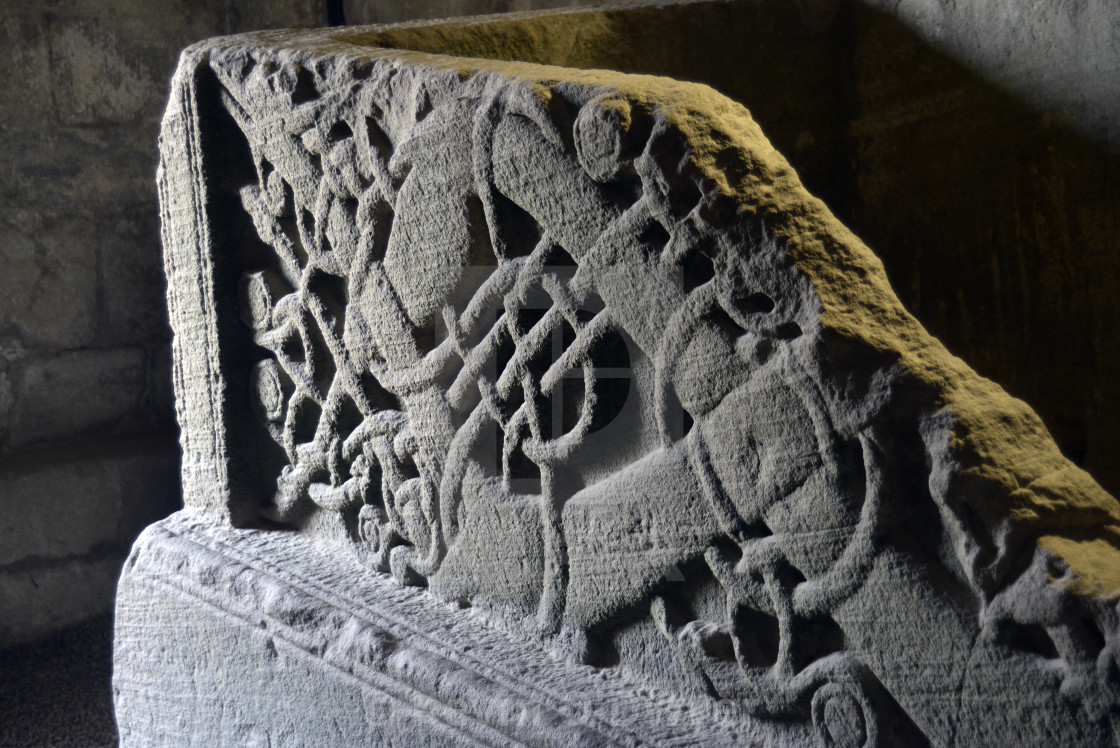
639, 432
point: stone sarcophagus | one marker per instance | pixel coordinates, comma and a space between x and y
532, 405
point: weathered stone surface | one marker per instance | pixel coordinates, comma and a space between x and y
578, 350
329, 654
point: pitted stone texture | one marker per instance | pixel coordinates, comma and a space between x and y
577, 349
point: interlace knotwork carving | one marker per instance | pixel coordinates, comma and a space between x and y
516, 348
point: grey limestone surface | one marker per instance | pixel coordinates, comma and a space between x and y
567, 371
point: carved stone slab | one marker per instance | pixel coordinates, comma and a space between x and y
575, 350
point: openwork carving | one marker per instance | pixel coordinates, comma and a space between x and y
516, 346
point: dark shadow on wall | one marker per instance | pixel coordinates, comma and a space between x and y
997, 222
56, 692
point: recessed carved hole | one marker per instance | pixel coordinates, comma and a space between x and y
568, 396
763, 347
723, 322
730, 162
316, 162
788, 576
718, 645
611, 357
423, 104
567, 333
523, 474
1112, 672
377, 396
323, 361
486, 449
655, 236
505, 348
755, 303
288, 206
1029, 638
677, 606
331, 290
305, 421
247, 67
408, 469
787, 331
307, 219
376, 138
266, 168
291, 231
342, 234
729, 551
816, 638
527, 318
352, 524
758, 636
425, 336
601, 651
348, 418
979, 533
683, 197
518, 231
361, 69
758, 529
696, 270
678, 421
339, 131
591, 305
624, 190
305, 89
292, 348
409, 577
1089, 635
381, 223
349, 208
557, 257
399, 174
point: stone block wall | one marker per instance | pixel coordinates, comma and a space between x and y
88, 450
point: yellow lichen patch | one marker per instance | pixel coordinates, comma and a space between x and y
1095, 564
